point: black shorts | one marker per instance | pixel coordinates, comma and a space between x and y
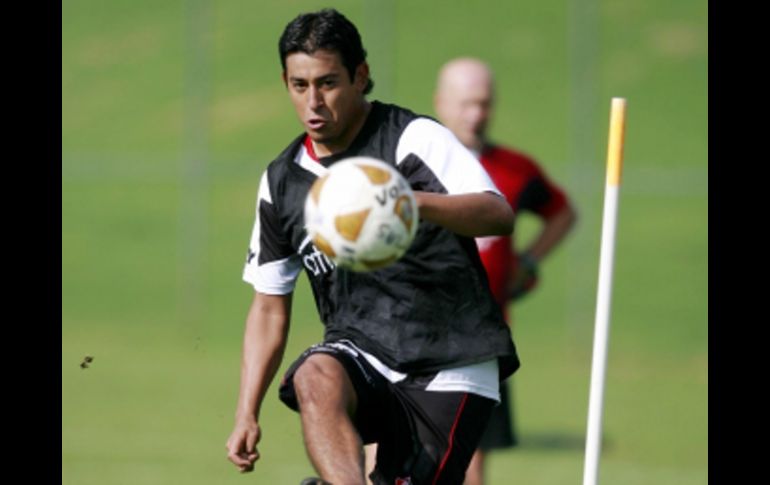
500, 432
424, 437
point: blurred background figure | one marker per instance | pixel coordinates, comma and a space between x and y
464, 101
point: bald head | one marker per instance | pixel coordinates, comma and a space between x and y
463, 99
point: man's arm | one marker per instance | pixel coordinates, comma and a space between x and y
552, 232
472, 206
264, 340
472, 214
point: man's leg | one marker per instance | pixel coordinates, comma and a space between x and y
497, 435
327, 401
370, 458
474, 475
430, 437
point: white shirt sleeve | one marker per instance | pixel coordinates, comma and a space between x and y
454, 165
275, 272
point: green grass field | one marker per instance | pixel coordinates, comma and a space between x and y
152, 250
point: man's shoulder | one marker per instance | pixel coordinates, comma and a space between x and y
278, 166
514, 157
288, 153
385, 132
497, 150
397, 115
276, 174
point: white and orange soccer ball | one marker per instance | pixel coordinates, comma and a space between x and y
362, 214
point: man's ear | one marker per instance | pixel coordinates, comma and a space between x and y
362, 76
283, 76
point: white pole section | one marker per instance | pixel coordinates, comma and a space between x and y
606, 263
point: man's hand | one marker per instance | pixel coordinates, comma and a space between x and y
242, 444
526, 277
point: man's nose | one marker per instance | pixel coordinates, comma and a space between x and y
315, 99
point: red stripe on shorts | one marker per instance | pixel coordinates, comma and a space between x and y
451, 439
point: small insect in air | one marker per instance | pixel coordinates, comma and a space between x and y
87, 360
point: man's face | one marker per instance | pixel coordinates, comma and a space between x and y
464, 105
328, 104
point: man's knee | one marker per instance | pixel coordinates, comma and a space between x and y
322, 382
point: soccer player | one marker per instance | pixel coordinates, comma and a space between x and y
412, 353
463, 101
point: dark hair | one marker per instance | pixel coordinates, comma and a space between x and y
329, 30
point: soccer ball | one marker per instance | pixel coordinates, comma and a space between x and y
362, 214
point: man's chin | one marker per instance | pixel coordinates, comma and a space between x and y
473, 143
317, 136
319, 140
